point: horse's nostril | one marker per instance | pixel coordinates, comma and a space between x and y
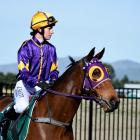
114, 103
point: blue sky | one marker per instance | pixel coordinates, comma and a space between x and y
82, 25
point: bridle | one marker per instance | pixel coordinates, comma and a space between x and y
89, 85
89, 68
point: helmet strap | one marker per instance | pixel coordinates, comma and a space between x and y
41, 32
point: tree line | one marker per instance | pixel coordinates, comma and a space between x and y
8, 78
118, 83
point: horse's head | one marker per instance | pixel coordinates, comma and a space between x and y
97, 82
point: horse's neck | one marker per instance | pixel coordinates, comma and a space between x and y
60, 107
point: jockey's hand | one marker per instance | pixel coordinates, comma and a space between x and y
44, 85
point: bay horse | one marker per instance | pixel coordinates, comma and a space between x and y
4, 101
84, 79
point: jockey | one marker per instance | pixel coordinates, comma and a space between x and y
37, 60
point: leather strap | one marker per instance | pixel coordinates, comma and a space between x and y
50, 121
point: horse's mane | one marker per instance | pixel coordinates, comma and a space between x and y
72, 62
70, 67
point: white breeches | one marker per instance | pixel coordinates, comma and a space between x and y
21, 96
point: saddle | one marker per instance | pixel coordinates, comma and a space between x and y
15, 126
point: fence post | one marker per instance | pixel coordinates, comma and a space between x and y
90, 119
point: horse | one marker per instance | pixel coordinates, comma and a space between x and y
4, 101
84, 79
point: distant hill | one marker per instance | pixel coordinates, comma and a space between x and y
127, 67
12, 68
122, 67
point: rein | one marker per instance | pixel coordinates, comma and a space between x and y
50, 120
96, 98
79, 97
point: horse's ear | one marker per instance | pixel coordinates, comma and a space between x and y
100, 54
90, 55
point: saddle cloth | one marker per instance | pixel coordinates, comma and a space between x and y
18, 129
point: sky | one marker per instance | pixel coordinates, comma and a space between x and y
82, 25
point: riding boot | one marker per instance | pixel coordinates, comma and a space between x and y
11, 114
1, 116
4, 128
8, 116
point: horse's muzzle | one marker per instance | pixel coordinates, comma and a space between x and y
112, 105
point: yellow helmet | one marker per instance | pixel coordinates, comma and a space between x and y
41, 19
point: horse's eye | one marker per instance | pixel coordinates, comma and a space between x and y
96, 73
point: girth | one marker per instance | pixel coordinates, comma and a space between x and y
52, 121
49, 119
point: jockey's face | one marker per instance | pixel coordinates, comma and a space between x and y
48, 31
